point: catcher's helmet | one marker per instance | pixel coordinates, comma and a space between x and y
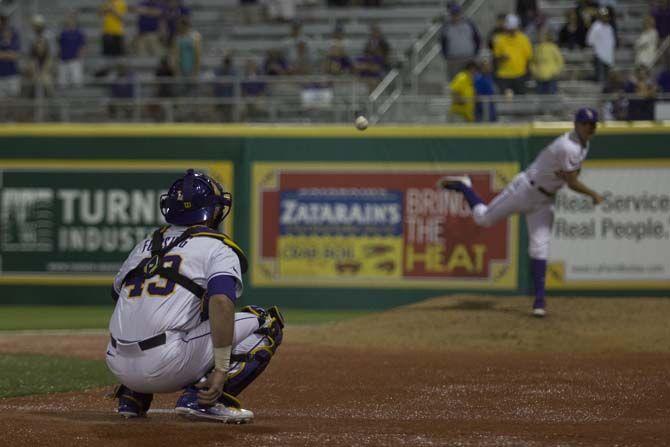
195, 198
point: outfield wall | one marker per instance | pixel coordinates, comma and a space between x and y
330, 216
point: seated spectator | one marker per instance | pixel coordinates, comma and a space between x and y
572, 36
370, 68
485, 107
173, 13
274, 63
615, 106
251, 84
463, 94
647, 44
253, 90
113, 31
302, 64
641, 106
546, 65
71, 44
460, 40
149, 17
10, 82
378, 46
527, 10
512, 51
601, 38
165, 88
224, 87
41, 59
337, 60
661, 13
121, 91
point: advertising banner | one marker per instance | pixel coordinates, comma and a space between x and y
73, 222
622, 243
377, 225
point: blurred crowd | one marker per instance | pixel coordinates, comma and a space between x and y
524, 54
53, 57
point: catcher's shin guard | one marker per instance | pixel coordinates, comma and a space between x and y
247, 367
131, 403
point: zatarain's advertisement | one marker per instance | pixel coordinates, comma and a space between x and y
380, 226
625, 240
82, 220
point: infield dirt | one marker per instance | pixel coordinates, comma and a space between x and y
460, 370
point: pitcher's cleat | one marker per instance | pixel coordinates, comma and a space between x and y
455, 182
188, 406
539, 312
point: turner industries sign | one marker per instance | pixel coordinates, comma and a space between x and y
58, 221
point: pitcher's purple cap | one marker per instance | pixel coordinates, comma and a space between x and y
586, 115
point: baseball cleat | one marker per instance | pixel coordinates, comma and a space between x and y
188, 406
218, 412
129, 411
455, 182
539, 312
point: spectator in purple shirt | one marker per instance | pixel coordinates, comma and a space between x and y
661, 13
10, 45
121, 92
150, 15
71, 44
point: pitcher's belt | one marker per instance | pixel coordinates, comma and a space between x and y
542, 190
146, 344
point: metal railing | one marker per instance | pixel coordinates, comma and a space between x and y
425, 109
217, 99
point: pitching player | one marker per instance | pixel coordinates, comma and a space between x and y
532, 193
174, 326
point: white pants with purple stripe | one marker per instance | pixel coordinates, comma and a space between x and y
519, 196
182, 360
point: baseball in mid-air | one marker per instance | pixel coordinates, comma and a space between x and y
361, 122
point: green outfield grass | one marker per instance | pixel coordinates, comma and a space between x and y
97, 317
25, 374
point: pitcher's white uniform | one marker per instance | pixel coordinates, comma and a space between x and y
531, 192
158, 306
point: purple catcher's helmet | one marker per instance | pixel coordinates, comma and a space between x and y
194, 199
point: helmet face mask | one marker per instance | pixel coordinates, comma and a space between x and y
195, 199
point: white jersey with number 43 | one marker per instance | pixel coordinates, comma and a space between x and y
149, 307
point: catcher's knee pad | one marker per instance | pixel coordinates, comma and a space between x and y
141, 402
246, 367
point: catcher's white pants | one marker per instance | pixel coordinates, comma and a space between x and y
181, 361
519, 196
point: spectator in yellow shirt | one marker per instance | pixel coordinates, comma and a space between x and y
512, 52
113, 12
463, 94
547, 64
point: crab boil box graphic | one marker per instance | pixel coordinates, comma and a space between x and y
73, 222
377, 225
